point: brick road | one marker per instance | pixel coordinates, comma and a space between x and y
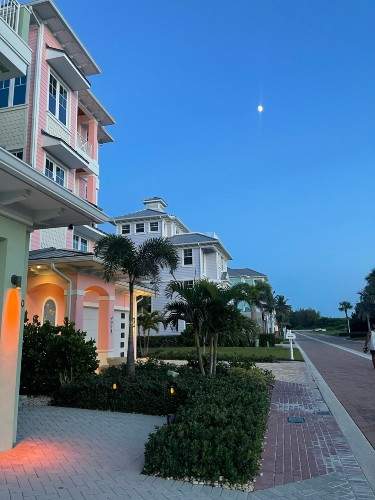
351, 378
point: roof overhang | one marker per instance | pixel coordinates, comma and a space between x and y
89, 232
207, 245
28, 196
64, 153
49, 14
103, 135
95, 108
61, 63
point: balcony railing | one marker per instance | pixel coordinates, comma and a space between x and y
84, 145
10, 12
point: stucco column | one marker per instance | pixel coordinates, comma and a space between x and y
106, 306
14, 247
76, 313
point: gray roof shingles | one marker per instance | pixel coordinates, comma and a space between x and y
191, 238
245, 271
148, 212
56, 253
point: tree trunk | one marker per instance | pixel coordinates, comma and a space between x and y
199, 354
140, 342
147, 341
347, 322
130, 362
211, 355
215, 352
368, 323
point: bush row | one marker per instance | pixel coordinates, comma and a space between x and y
217, 435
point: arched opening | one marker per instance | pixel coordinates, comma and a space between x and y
49, 312
47, 301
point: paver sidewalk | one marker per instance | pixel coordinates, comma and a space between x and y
314, 448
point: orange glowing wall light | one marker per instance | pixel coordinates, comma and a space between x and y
10, 326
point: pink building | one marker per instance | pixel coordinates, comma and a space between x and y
52, 121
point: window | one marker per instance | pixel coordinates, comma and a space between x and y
140, 227
75, 242
4, 93
188, 256
80, 243
58, 99
122, 326
49, 312
12, 92
125, 229
18, 153
54, 172
154, 227
84, 245
122, 315
122, 344
189, 283
19, 93
122, 335
122, 354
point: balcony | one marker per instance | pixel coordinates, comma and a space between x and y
15, 54
84, 146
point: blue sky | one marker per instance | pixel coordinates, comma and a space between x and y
291, 193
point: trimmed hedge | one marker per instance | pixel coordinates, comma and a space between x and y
147, 393
217, 435
233, 354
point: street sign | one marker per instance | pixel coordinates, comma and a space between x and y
290, 335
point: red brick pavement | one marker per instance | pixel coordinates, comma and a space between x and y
298, 451
351, 378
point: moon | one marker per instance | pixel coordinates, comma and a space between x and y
260, 108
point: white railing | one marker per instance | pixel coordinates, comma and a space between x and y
9, 12
84, 145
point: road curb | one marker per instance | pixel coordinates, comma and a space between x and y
362, 449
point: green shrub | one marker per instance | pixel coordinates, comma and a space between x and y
253, 354
52, 355
217, 435
267, 340
147, 393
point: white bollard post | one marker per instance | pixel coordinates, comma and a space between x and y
291, 350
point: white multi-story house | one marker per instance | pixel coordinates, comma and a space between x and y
251, 277
200, 256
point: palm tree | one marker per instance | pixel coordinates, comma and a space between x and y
283, 310
365, 307
191, 307
222, 313
345, 306
148, 321
121, 257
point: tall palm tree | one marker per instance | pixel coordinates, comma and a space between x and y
122, 258
366, 306
345, 306
148, 321
283, 310
189, 305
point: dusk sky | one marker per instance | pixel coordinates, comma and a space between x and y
290, 192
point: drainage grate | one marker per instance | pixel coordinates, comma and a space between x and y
296, 420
